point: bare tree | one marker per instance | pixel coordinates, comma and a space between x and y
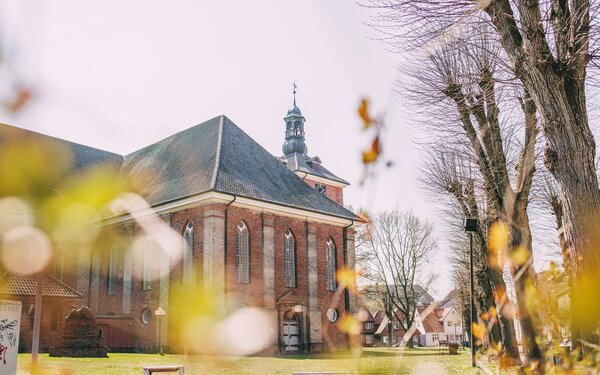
395, 249
449, 175
550, 47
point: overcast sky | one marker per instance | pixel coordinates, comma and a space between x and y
119, 75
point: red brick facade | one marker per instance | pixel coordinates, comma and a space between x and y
237, 294
335, 193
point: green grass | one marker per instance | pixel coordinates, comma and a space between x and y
371, 361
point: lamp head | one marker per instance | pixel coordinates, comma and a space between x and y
470, 225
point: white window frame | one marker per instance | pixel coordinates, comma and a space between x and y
369, 325
188, 254
385, 339
112, 271
242, 254
289, 260
147, 271
396, 325
330, 264
368, 339
435, 337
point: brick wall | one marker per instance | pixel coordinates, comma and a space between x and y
334, 193
237, 294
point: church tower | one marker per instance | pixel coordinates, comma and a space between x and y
294, 131
310, 169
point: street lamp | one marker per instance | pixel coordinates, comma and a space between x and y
471, 227
160, 313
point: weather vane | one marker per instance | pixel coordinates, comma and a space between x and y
295, 88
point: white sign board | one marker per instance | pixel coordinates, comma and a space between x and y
10, 325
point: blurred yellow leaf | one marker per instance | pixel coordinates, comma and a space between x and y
349, 324
347, 278
363, 112
479, 330
497, 244
520, 255
499, 236
372, 154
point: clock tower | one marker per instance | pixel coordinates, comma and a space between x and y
310, 169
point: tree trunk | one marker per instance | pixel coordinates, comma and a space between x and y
521, 237
570, 156
558, 89
506, 323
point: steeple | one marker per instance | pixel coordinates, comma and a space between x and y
294, 130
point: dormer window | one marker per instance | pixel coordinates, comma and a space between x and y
321, 188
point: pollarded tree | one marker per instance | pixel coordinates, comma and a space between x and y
549, 45
449, 175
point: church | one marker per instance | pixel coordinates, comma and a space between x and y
256, 230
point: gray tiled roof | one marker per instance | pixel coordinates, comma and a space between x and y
218, 156
312, 166
81, 157
25, 285
213, 156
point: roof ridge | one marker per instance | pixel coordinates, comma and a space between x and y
37, 133
213, 182
170, 136
63, 284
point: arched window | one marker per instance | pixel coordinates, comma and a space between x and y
242, 254
289, 260
112, 270
330, 264
147, 271
188, 254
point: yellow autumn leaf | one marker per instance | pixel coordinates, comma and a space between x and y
499, 236
349, 324
497, 243
363, 112
372, 154
347, 278
478, 330
520, 255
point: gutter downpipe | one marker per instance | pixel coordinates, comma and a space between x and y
225, 240
345, 254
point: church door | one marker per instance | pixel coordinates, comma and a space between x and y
291, 336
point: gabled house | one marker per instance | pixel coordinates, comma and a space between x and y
59, 299
367, 333
433, 323
382, 336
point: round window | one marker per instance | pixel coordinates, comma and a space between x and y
146, 316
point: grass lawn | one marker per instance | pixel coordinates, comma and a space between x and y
371, 361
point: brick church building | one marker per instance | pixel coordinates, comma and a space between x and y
260, 230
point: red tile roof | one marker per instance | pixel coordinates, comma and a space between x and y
431, 323
20, 285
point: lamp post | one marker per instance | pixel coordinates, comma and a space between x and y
471, 227
160, 313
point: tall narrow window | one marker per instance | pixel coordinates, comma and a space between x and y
242, 254
112, 270
330, 264
147, 272
289, 260
188, 254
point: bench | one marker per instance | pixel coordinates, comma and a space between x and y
148, 370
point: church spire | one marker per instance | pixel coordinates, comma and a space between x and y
294, 129
295, 88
